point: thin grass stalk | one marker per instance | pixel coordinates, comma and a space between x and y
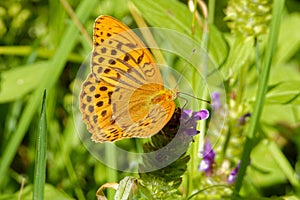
111, 172
40, 155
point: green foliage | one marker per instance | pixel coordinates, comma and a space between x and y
163, 183
19, 82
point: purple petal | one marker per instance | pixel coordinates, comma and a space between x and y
208, 160
185, 115
231, 179
191, 131
189, 123
216, 101
215, 96
242, 120
187, 112
201, 115
208, 152
204, 165
233, 174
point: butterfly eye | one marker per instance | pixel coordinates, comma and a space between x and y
174, 94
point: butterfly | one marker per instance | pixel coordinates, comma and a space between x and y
124, 94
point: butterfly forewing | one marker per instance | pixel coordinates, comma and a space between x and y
118, 49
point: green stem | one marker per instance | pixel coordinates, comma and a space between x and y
40, 52
226, 142
262, 89
110, 159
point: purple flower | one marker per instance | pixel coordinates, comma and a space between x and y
208, 159
216, 101
201, 115
185, 115
188, 121
233, 174
242, 119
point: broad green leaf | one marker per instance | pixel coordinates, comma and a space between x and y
284, 93
274, 113
289, 38
169, 14
239, 56
284, 72
263, 168
218, 48
172, 14
17, 82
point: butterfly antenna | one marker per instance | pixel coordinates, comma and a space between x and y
185, 67
186, 101
204, 100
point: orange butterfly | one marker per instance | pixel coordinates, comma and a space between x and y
124, 95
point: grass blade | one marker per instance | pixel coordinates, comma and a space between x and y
40, 155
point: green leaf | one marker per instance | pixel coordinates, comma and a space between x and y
177, 17
274, 113
218, 47
169, 14
270, 166
289, 38
284, 93
126, 188
40, 155
285, 72
263, 166
17, 82
240, 53
284, 165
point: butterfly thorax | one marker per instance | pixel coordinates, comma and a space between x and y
164, 96
150, 100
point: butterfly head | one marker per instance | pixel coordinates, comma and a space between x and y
174, 94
